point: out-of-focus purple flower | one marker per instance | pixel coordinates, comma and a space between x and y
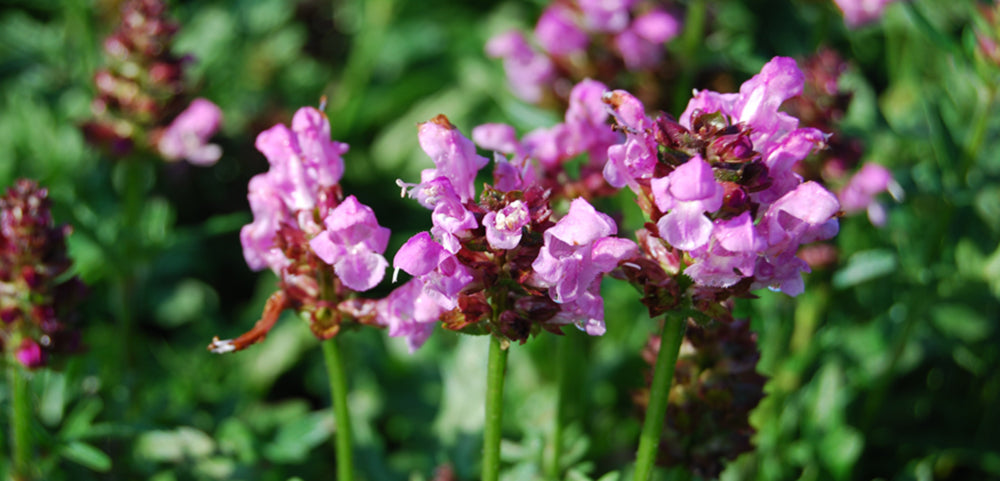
503, 227
641, 44
353, 244
30, 354
187, 136
577, 250
528, 72
861, 12
859, 193
606, 15
558, 33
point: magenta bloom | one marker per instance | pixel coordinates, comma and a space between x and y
688, 193
443, 277
187, 136
30, 354
635, 158
861, 12
353, 244
454, 156
577, 250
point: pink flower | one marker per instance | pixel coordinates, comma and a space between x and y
454, 155
859, 193
558, 33
687, 193
641, 44
528, 72
408, 312
30, 354
353, 244
577, 250
187, 136
503, 228
860, 12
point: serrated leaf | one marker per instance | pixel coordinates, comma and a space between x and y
87, 456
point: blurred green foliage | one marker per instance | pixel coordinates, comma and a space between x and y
888, 367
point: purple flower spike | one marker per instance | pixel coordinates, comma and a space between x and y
187, 136
453, 154
558, 34
503, 228
353, 244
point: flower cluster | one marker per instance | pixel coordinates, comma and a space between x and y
36, 299
716, 385
142, 90
719, 186
500, 265
584, 38
323, 247
542, 155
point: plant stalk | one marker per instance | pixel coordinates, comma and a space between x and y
663, 376
341, 414
20, 422
494, 410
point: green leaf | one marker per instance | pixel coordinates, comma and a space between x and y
79, 421
86, 455
174, 446
296, 439
961, 322
865, 266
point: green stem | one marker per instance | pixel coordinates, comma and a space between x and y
341, 415
20, 422
691, 39
564, 354
663, 376
494, 409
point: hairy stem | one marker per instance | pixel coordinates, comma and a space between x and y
341, 415
663, 376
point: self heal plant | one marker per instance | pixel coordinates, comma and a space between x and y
323, 247
726, 210
37, 303
499, 265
